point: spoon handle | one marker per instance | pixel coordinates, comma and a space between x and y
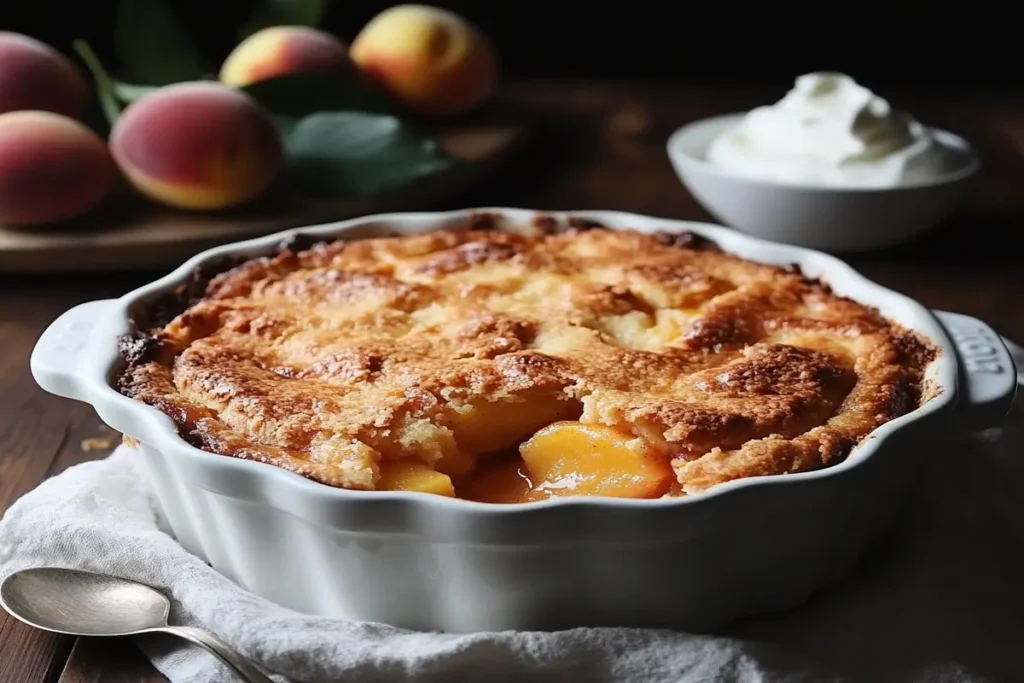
221, 650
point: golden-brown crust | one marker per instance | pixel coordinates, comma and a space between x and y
326, 358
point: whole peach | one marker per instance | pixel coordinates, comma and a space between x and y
51, 168
281, 50
198, 145
433, 60
35, 76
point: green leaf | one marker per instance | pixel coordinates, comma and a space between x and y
300, 94
153, 47
284, 13
128, 93
104, 84
285, 125
357, 153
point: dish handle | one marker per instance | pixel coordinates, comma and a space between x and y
57, 361
987, 379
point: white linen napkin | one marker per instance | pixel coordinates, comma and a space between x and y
942, 599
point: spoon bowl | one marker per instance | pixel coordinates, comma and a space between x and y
82, 603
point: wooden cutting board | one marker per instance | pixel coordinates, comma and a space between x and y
130, 232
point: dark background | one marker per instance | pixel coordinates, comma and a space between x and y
954, 43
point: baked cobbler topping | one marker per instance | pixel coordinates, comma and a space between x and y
510, 365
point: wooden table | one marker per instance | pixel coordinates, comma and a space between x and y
595, 146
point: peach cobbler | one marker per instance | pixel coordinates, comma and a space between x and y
521, 363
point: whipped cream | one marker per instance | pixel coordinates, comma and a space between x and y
829, 130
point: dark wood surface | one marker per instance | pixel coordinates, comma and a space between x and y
593, 146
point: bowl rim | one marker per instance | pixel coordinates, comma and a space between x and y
101, 362
679, 155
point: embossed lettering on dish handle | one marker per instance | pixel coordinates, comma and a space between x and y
978, 349
987, 373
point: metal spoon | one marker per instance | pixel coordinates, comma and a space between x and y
79, 603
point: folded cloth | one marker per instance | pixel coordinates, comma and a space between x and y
941, 600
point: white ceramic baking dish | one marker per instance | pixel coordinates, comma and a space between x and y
429, 562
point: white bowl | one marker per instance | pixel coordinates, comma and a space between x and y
826, 218
431, 562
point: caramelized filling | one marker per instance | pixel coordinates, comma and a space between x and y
502, 481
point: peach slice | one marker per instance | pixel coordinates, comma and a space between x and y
413, 475
489, 427
575, 459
